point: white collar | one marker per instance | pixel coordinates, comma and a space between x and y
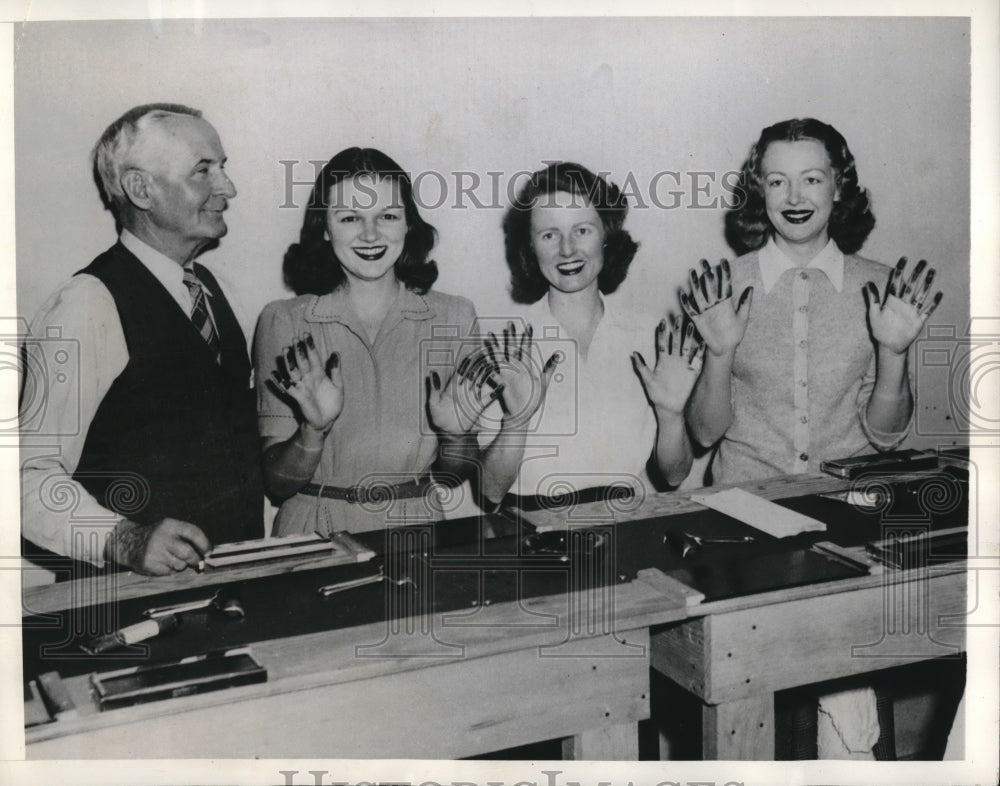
166, 270
774, 262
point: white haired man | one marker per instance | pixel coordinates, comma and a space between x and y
165, 462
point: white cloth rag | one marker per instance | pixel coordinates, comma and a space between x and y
847, 725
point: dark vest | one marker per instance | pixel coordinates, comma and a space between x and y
176, 435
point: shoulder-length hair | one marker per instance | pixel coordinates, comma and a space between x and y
747, 225
528, 285
311, 267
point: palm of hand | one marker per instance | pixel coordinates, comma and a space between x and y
671, 382
709, 304
319, 399
720, 327
896, 324
453, 410
524, 386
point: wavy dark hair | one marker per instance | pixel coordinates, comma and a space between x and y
527, 284
310, 266
852, 220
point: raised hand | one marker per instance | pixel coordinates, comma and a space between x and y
678, 362
316, 387
455, 409
897, 318
516, 364
710, 306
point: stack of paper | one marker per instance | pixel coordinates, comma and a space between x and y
760, 513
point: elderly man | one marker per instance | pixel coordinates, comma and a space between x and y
165, 462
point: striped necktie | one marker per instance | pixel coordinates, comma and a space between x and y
200, 315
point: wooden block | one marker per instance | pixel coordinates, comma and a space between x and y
680, 652
677, 591
853, 556
741, 730
56, 696
609, 743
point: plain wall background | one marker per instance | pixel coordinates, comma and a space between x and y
631, 97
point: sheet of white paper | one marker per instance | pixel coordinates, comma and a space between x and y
759, 512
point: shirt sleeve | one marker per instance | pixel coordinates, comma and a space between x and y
74, 351
276, 420
881, 440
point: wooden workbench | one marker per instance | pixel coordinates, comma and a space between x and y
468, 682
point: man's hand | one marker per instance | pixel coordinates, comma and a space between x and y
316, 387
897, 319
710, 306
678, 362
160, 549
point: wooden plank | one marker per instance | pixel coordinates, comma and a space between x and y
124, 585
741, 730
676, 591
448, 710
610, 743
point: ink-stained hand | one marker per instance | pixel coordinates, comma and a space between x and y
456, 408
317, 387
897, 318
515, 362
168, 546
678, 362
709, 304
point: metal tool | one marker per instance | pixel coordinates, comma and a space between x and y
686, 542
331, 589
222, 601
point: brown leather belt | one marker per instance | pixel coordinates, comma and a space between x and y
372, 493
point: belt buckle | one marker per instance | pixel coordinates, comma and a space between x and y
352, 495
